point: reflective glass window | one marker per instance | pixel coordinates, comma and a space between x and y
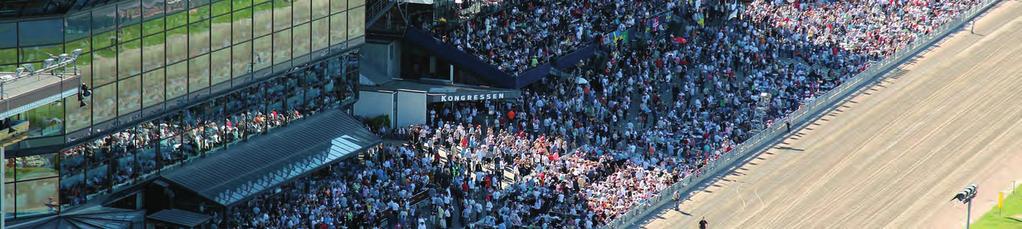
242, 21
83, 44
153, 52
177, 45
46, 120
263, 19
37, 197
78, 26
338, 28
152, 26
302, 11
320, 8
84, 65
104, 102
104, 39
78, 116
9, 195
263, 52
242, 58
9, 35
320, 34
152, 8
302, 42
36, 166
354, 3
104, 19
153, 86
129, 95
282, 46
338, 6
177, 80
129, 32
221, 32
9, 56
129, 12
198, 38
40, 53
221, 7
238, 4
104, 66
41, 32
198, 73
198, 13
221, 65
129, 59
178, 19
356, 22
281, 14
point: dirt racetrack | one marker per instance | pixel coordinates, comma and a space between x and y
894, 155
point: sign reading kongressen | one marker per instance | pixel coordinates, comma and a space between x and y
473, 97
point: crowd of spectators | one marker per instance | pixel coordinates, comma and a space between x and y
579, 151
526, 33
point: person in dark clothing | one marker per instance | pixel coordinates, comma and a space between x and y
703, 223
787, 125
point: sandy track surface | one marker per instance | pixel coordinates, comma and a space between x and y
894, 155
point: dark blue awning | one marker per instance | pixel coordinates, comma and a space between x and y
267, 161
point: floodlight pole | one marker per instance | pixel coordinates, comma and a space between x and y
968, 214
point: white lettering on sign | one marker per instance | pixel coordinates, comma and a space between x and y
456, 98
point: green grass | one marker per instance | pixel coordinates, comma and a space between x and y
1002, 218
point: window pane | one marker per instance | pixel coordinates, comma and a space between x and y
153, 54
83, 44
105, 102
34, 196
36, 166
175, 6
238, 4
242, 59
320, 34
177, 45
221, 32
356, 22
302, 12
221, 7
104, 19
301, 40
338, 6
40, 53
152, 92
177, 19
46, 120
152, 26
104, 66
263, 19
320, 8
8, 199
177, 80
9, 56
130, 32
198, 37
198, 73
263, 52
282, 46
104, 39
129, 12
354, 3
85, 67
129, 95
281, 14
77, 115
41, 32
8, 35
198, 14
129, 60
242, 25
152, 8
221, 65
78, 26
338, 28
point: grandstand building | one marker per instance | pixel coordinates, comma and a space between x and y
105, 140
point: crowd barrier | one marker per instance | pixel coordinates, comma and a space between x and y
806, 114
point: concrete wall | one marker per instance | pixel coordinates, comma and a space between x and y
380, 62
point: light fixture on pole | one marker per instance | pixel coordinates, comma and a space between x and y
965, 196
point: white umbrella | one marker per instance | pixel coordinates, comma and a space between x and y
581, 80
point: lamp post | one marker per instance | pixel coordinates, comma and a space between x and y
966, 196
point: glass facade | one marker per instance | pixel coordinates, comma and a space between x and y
147, 58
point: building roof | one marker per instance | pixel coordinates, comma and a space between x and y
267, 161
180, 217
91, 217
